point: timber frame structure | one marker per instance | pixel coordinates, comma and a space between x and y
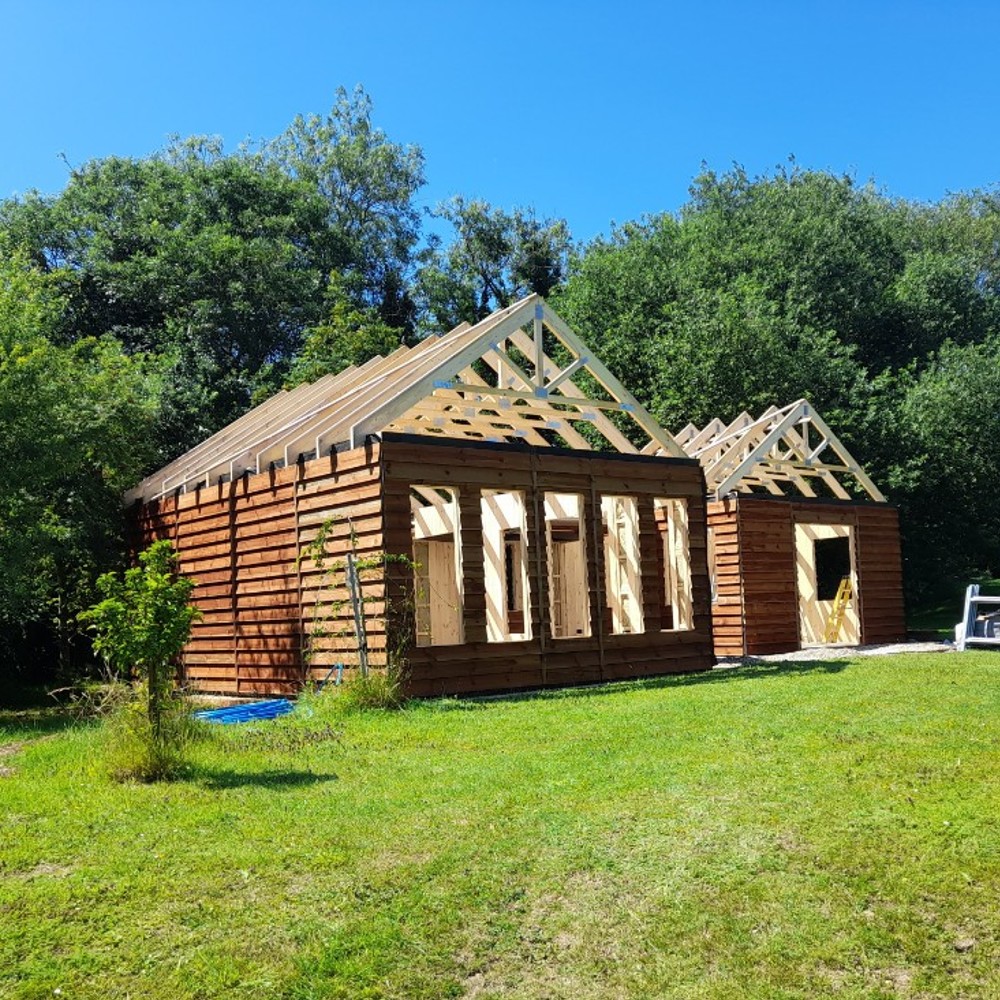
518, 518
433, 388
791, 514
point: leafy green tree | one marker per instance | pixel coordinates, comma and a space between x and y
140, 627
189, 254
948, 464
368, 184
76, 423
495, 258
691, 349
218, 262
350, 335
761, 290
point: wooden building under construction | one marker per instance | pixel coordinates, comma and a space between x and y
803, 548
490, 507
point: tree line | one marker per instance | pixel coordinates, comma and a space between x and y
153, 300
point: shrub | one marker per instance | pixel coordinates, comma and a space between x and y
376, 689
140, 627
135, 750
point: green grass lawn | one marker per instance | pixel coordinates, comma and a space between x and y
800, 830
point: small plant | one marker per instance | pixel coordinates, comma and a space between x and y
379, 687
139, 628
135, 752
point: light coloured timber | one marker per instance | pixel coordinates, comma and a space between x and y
611, 384
600, 421
435, 374
516, 418
426, 356
774, 450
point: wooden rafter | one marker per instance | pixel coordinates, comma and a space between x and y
788, 447
433, 388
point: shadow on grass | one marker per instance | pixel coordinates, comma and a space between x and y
750, 671
217, 779
31, 723
757, 670
21, 696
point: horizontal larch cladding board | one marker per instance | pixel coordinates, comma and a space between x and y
245, 543
240, 543
482, 666
769, 576
767, 567
880, 575
727, 607
407, 460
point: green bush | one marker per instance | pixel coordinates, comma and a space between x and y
377, 689
140, 627
136, 750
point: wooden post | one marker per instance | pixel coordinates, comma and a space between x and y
538, 568
600, 613
397, 573
470, 525
651, 566
537, 331
234, 588
358, 610
303, 642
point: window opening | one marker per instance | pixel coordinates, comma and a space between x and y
569, 599
505, 565
833, 564
437, 555
513, 570
622, 574
672, 522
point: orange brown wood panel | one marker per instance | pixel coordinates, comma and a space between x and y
479, 666
727, 608
263, 605
756, 606
880, 575
273, 616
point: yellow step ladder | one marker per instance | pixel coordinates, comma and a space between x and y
840, 603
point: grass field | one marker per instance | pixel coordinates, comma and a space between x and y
813, 829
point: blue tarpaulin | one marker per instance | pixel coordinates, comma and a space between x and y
254, 712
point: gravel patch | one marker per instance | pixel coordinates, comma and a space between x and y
839, 652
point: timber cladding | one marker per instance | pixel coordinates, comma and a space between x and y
756, 606
274, 616
543, 661
266, 553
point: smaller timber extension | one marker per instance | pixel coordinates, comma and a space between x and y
516, 517
803, 548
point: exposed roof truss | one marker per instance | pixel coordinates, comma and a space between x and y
504, 385
787, 450
520, 374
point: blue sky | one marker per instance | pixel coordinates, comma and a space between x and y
591, 111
